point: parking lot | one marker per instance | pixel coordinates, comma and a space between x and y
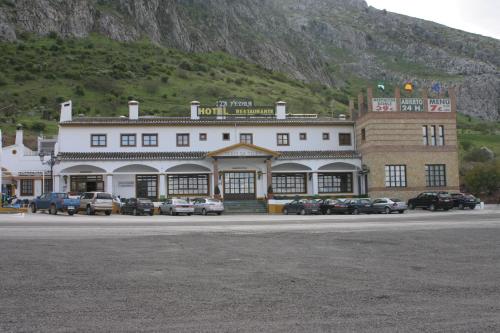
420, 271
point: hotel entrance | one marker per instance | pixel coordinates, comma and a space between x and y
239, 185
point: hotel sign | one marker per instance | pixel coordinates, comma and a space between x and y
412, 104
235, 111
384, 104
439, 105
234, 102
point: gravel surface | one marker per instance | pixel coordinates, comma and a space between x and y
387, 279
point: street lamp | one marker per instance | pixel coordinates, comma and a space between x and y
50, 162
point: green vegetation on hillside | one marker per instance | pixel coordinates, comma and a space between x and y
100, 75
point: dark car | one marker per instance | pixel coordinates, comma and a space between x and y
431, 201
335, 206
462, 200
302, 207
358, 206
137, 206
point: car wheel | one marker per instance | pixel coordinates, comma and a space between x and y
108, 212
171, 211
461, 206
151, 214
328, 211
432, 208
302, 211
33, 208
355, 211
189, 214
285, 211
71, 213
219, 213
473, 207
134, 212
88, 210
53, 210
411, 206
203, 211
401, 211
387, 210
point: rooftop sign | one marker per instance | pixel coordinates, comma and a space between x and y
384, 104
439, 105
412, 104
204, 111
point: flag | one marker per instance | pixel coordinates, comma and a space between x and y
408, 87
436, 87
381, 86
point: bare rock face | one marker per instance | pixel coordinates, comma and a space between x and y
327, 41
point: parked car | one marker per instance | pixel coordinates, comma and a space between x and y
431, 201
335, 206
176, 207
55, 202
137, 206
387, 205
360, 206
462, 200
205, 206
302, 207
93, 202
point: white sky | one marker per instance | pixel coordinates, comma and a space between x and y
477, 16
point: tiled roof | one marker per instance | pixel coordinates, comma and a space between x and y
179, 121
109, 156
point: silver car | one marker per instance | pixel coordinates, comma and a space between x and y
387, 205
176, 207
205, 206
93, 202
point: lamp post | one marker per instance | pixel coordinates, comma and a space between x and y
50, 162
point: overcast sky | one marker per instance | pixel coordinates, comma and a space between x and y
477, 16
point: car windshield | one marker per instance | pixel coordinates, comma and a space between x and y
396, 200
145, 201
61, 195
213, 201
180, 202
444, 195
104, 196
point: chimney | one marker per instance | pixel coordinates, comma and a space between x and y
133, 110
351, 108
66, 112
19, 135
369, 93
280, 110
194, 110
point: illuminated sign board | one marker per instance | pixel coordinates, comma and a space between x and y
439, 105
236, 111
412, 104
384, 104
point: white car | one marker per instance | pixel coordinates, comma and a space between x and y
176, 207
205, 206
388, 205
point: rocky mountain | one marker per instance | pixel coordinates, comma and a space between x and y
340, 43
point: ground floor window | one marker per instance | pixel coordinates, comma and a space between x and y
435, 175
146, 186
289, 183
90, 183
47, 186
27, 187
188, 185
395, 176
338, 182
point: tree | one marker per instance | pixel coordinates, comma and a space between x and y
484, 178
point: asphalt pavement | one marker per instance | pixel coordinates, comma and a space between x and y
420, 271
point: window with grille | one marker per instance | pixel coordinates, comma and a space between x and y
226, 137
345, 139
289, 182
98, 140
326, 136
435, 175
283, 139
363, 134
146, 186
246, 138
335, 182
183, 140
27, 187
395, 176
303, 136
47, 186
128, 140
150, 140
187, 184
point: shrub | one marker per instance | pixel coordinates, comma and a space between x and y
185, 66
38, 126
151, 87
484, 178
477, 155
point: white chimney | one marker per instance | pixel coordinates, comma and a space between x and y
280, 110
19, 135
133, 110
194, 110
66, 112
342, 116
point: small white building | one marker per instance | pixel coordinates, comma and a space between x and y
242, 153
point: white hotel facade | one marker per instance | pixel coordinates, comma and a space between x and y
241, 155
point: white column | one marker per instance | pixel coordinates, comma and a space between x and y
314, 181
163, 185
109, 184
57, 184
18, 188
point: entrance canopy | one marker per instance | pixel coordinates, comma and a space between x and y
243, 150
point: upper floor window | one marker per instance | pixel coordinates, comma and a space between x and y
128, 140
183, 140
283, 139
246, 138
363, 134
425, 135
326, 136
226, 137
150, 140
303, 136
433, 135
395, 176
441, 135
345, 139
203, 136
98, 140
